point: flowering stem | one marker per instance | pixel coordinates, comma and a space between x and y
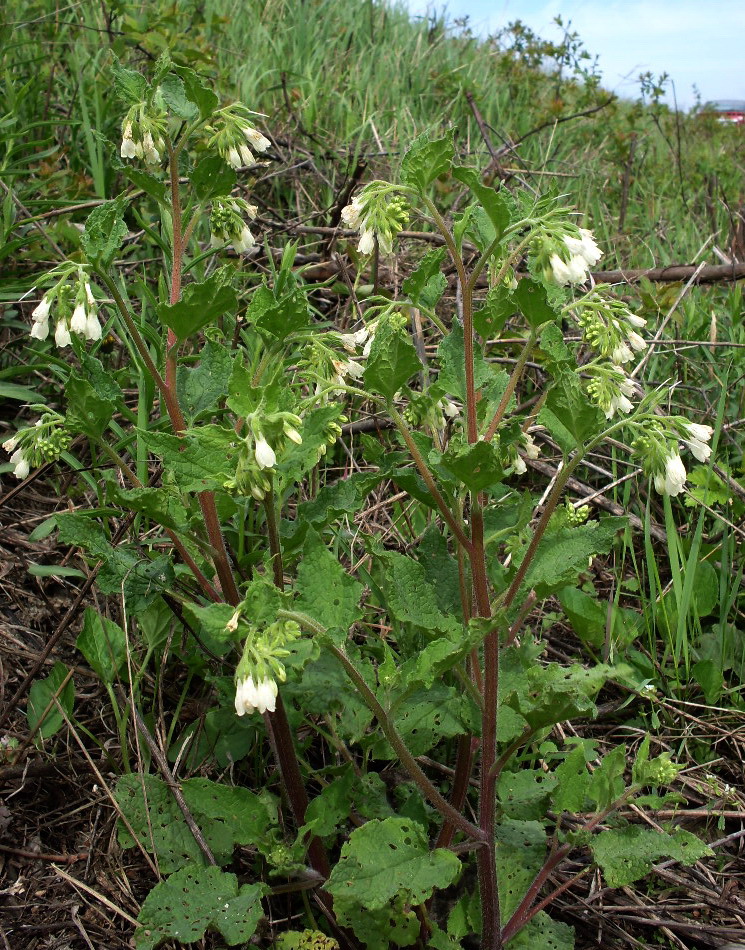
510, 388
389, 730
277, 724
428, 478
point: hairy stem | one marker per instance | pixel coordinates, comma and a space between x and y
510, 388
429, 481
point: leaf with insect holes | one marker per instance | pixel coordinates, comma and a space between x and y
627, 854
201, 303
42, 695
327, 592
427, 159
104, 645
227, 817
383, 860
197, 899
521, 851
544, 932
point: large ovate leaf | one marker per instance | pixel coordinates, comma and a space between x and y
477, 466
105, 231
212, 177
201, 303
327, 592
393, 360
451, 353
197, 899
227, 817
129, 85
627, 854
104, 645
410, 596
531, 298
386, 859
87, 412
174, 95
521, 851
203, 459
195, 90
202, 387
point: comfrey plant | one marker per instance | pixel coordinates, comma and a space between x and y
305, 637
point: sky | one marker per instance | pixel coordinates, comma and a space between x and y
697, 43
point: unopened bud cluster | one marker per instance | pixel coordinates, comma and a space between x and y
228, 224
38, 444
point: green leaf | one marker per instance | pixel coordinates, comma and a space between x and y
130, 86
521, 851
494, 204
327, 592
211, 621
477, 466
409, 595
21, 393
203, 459
498, 307
426, 160
146, 182
524, 794
200, 304
427, 283
563, 553
532, 300
101, 379
572, 780
395, 925
197, 899
82, 531
227, 817
213, 177
386, 859
104, 645
627, 854
87, 412
424, 718
451, 353
203, 387
587, 615
282, 316
607, 784
41, 695
329, 810
202, 96
162, 505
105, 231
544, 932
174, 95
568, 414
393, 360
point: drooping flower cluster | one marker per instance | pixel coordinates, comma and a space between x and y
610, 388
561, 251
234, 137
266, 435
378, 214
526, 446
38, 444
143, 133
609, 327
228, 224
260, 668
74, 305
657, 448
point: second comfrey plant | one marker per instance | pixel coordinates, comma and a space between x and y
369, 654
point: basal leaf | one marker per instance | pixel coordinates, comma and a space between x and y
197, 899
627, 854
42, 694
104, 645
386, 859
